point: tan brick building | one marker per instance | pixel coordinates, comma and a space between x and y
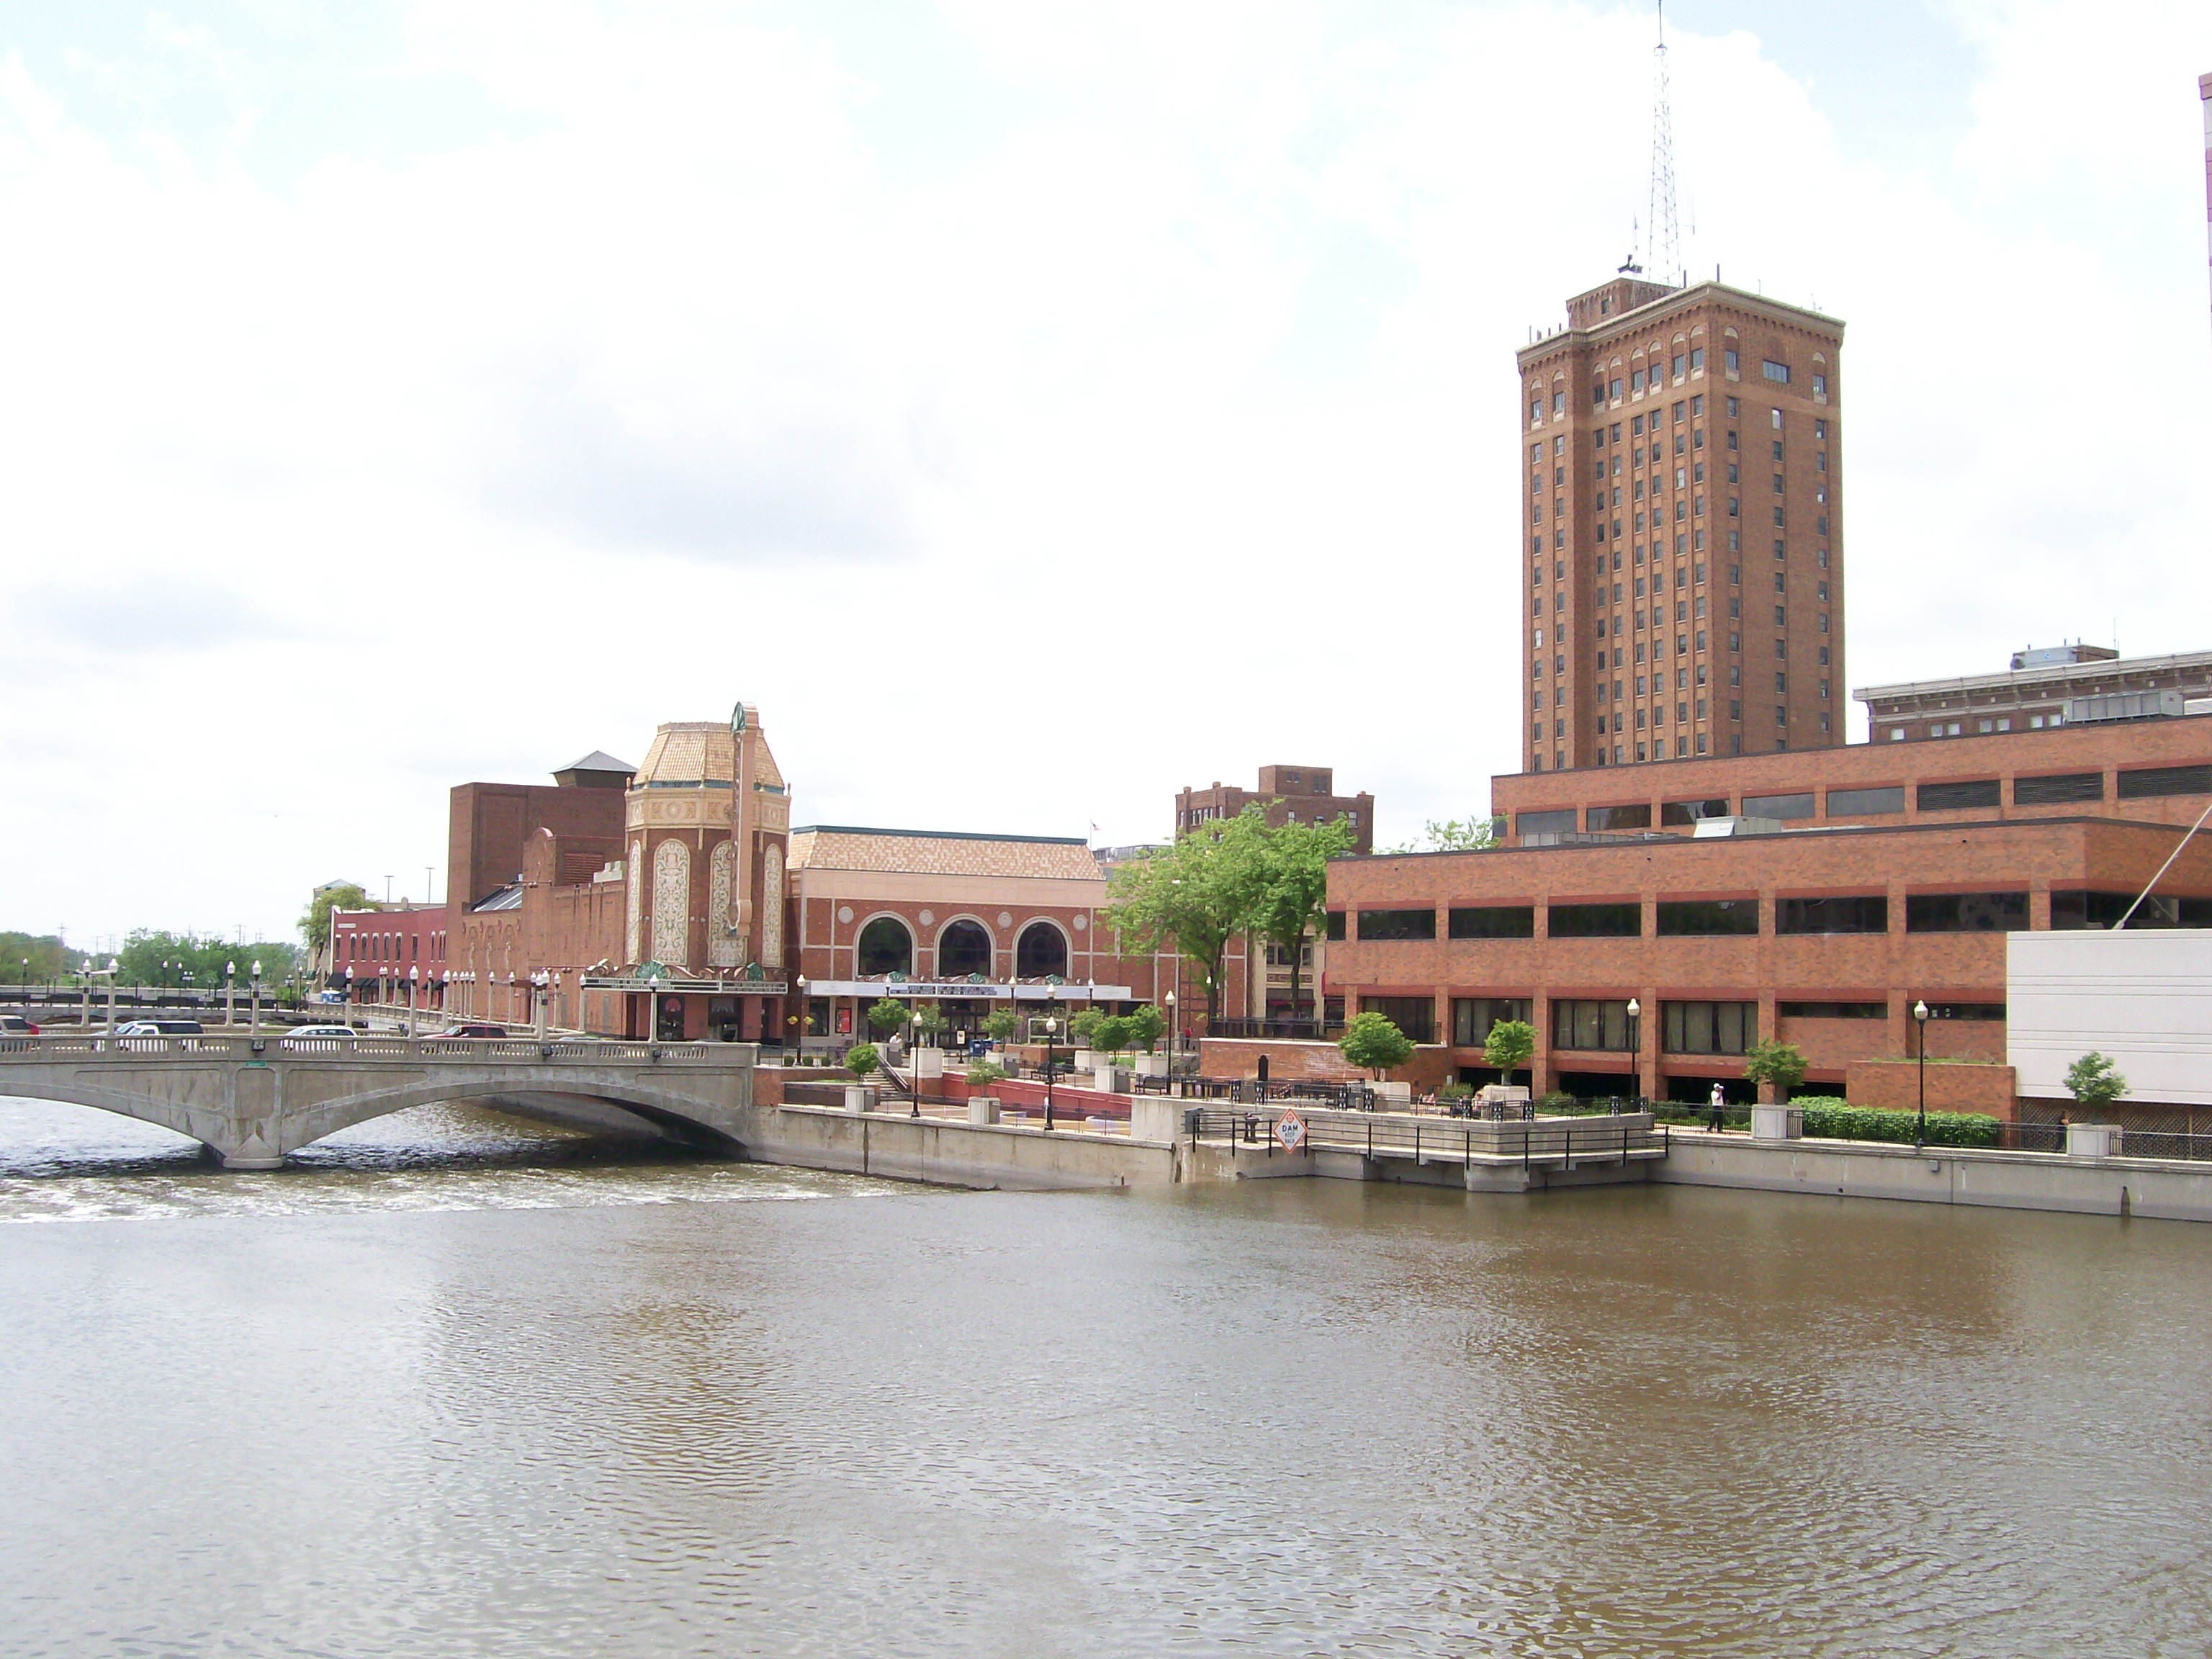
1683, 456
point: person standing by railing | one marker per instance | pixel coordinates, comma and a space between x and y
1719, 1113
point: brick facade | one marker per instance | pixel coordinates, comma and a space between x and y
1683, 515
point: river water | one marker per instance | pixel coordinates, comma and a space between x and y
454, 1385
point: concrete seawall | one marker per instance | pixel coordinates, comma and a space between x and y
951, 1153
2165, 1189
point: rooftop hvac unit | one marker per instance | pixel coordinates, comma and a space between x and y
2124, 705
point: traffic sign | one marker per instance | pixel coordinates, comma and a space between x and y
1290, 1129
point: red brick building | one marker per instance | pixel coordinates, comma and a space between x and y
1683, 522
1814, 897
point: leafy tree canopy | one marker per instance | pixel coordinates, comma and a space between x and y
1292, 885
2095, 1081
886, 1016
315, 921
861, 1058
36, 958
1195, 896
1510, 1044
1467, 835
148, 958
1373, 1042
1146, 1026
1776, 1062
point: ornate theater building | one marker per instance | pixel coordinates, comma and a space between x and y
673, 900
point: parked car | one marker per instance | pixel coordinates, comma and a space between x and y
345, 1033
474, 1029
160, 1028
16, 1025
329, 996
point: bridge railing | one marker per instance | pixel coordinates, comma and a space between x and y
497, 1051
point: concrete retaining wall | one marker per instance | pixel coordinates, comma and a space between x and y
2011, 1181
953, 1154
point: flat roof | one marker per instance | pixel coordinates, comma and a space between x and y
2045, 675
935, 835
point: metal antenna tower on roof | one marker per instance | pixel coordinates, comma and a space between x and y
1665, 257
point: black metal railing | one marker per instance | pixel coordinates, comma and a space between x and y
1464, 1141
1300, 1028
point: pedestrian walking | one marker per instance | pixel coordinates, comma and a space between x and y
1718, 1115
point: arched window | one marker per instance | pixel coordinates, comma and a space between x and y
1041, 953
886, 947
962, 948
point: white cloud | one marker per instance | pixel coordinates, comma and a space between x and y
1033, 409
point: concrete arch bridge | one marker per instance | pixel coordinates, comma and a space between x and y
253, 1099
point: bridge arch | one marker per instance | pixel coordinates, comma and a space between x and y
256, 1128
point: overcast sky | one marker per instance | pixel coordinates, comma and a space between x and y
1032, 408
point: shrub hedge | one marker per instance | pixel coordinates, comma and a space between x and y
1828, 1118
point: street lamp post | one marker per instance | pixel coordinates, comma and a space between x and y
1635, 1047
1175, 1035
1051, 1034
414, 980
1920, 1018
230, 993
538, 981
913, 1057
255, 1026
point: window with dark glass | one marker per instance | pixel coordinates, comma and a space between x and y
1966, 913
1709, 1028
1866, 803
1473, 1016
1832, 1010
2079, 910
964, 948
1621, 817
1778, 806
1042, 952
1953, 797
1683, 812
1831, 916
1697, 918
1397, 925
1561, 823
2147, 783
1590, 1025
886, 947
1596, 921
1336, 924
2057, 787
1492, 921
1415, 1016
1986, 1011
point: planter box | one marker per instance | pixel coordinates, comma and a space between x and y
859, 1098
929, 1062
1104, 1079
2092, 1140
1778, 1122
1152, 1065
1086, 1060
1396, 1094
982, 1109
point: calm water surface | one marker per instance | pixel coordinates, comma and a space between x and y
455, 1385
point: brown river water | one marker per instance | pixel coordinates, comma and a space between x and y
454, 1385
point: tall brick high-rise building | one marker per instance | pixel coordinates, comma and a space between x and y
1684, 528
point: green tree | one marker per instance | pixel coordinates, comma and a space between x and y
2094, 1082
886, 1016
861, 1058
1776, 1063
1293, 886
1147, 1025
315, 920
933, 1021
1510, 1044
1000, 1025
1110, 1035
1373, 1043
1197, 896
1083, 1024
1467, 835
36, 958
